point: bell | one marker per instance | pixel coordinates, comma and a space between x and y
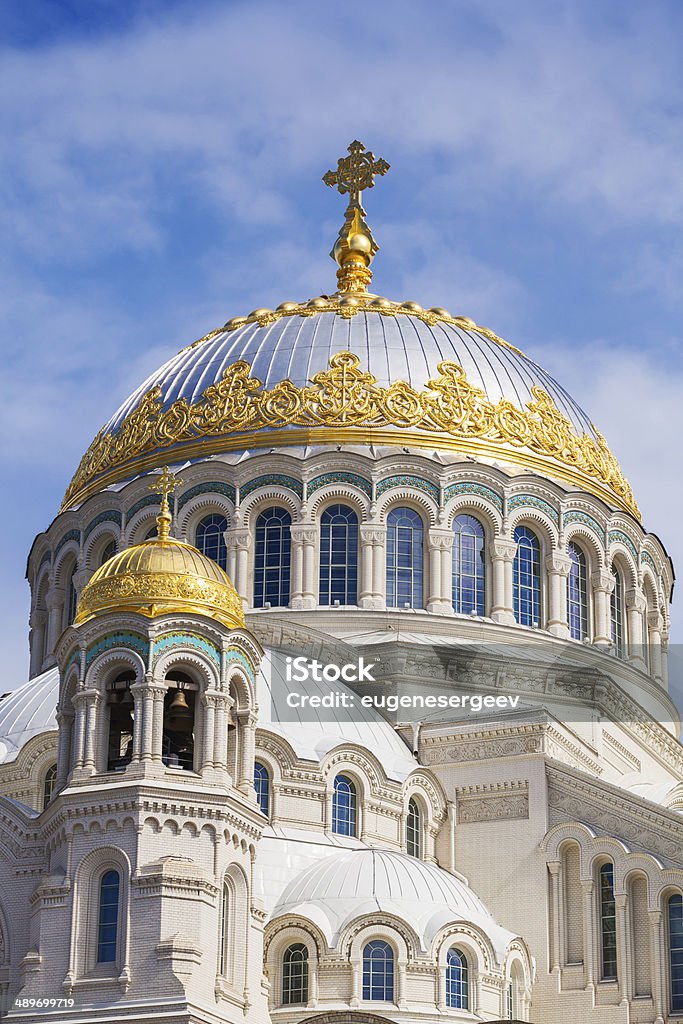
179, 718
126, 699
232, 724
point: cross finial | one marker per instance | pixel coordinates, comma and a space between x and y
355, 247
166, 482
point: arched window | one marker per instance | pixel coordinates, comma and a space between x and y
226, 926
405, 558
526, 577
49, 783
676, 952
295, 975
344, 806
121, 721
469, 572
262, 787
414, 829
617, 613
179, 721
109, 552
457, 992
71, 597
210, 540
577, 593
272, 558
108, 917
378, 971
608, 923
338, 555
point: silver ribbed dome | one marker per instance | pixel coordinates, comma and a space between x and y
391, 347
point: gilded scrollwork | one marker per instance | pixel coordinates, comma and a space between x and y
346, 396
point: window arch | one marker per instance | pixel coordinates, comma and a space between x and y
378, 971
272, 558
295, 975
108, 917
469, 566
457, 989
617, 613
49, 783
71, 601
608, 923
209, 538
577, 593
414, 829
108, 552
338, 555
405, 558
344, 800
526, 577
262, 787
675, 920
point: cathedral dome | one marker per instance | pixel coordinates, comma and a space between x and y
161, 576
357, 883
355, 369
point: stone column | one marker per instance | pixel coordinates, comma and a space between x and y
557, 566
635, 608
80, 578
137, 690
79, 703
401, 986
503, 554
439, 541
602, 583
208, 730
447, 578
38, 623
92, 699
54, 602
379, 565
554, 867
297, 582
624, 971
220, 737
367, 554
157, 737
655, 624
64, 746
309, 539
241, 538
247, 724
587, 887
657, 967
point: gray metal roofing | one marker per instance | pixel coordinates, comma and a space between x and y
392, 348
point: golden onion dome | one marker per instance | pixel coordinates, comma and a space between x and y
161, 576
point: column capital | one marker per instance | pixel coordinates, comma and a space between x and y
439, 539
558, 562
304, 533
372, 533
635, 599
37, 618
655, 621
80, 578
238, 537
54, 597
587, 886
554, 867
504, 549
603, 581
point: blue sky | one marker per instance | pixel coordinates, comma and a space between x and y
161, 168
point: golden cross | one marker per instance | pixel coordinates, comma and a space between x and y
166, 483
355, 173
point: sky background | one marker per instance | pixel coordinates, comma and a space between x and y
161, 166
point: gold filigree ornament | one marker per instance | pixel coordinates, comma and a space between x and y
161, 576
345, 404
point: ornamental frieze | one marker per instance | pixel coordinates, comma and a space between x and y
345, 397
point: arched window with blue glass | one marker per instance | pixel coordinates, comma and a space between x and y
272, 558
210, 538
405, 558
414, 829
618, 633
108, 552
469, 566
457, 991
378, 971
262, 787
344, 806
338, 556
675, 922
577, 593
526, 578
108, 917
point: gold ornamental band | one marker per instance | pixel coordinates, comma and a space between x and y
346, 404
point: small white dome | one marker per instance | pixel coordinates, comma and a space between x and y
358, 883
28, 711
